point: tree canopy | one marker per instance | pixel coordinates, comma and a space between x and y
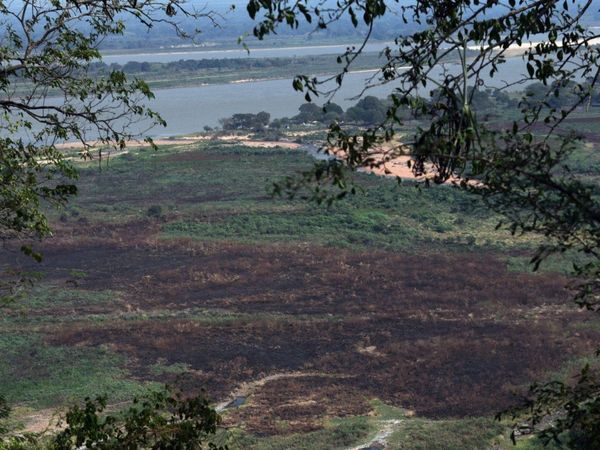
560, 74
255, 122
161, 420
520, 168
48, 96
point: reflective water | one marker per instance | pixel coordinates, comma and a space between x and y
275, 52
189, 109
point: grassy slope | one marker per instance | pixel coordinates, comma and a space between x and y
223, 196
220, 195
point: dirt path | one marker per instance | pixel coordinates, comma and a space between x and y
40, 421
246, 389
48, 419
386, 428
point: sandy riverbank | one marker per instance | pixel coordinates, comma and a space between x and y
187, 140
384, 164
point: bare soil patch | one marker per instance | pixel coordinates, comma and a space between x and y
299, 403
185, 140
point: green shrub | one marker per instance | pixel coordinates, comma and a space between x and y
154, 211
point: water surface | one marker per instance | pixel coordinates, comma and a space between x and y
189, 109
275, 52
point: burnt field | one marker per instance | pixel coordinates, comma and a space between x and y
304, 329
446, 336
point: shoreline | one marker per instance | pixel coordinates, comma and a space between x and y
153, 84
213, 50
389, 167
186, 140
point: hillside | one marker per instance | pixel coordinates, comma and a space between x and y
399, 314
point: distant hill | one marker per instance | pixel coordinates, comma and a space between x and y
235, 22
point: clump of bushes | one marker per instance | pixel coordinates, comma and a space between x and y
154, 211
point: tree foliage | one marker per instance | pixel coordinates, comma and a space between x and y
505, 163
574, 410
521, 169
160, 420
368, 110
255, 122
47, 96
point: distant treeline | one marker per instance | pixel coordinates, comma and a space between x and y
187, 65
306, 62
371, 110
195, 65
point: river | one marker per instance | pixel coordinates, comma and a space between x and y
273, 52
189, 109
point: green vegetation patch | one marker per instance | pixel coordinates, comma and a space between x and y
338, 434
161, 368
343, 228
533, 443
557, 263
585, 159
345, 225
213, 191
39, 375
46, 296
463, 434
